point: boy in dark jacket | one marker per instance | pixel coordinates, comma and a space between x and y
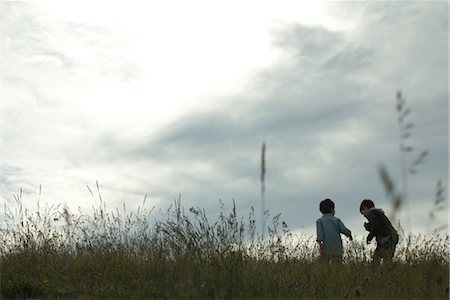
381, 228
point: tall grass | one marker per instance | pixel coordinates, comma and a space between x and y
263, 188
56, 253
408, 166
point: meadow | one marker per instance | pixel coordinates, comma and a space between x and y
55, 253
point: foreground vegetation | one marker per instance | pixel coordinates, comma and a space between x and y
53, 253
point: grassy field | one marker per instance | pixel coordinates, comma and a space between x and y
54, 253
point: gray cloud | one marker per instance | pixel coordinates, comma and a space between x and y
49, 53
326, 112
305, 102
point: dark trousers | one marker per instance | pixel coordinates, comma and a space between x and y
384, 251
331, 259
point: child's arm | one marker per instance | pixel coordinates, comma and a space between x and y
374, 226
367, 226
320, 237
344, 230
319, 229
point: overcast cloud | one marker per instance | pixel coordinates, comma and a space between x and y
179, 99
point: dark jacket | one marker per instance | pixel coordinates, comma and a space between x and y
380, 227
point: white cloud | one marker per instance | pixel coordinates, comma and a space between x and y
170, 98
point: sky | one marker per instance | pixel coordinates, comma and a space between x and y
175, 98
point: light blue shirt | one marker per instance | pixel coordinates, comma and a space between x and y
329, 229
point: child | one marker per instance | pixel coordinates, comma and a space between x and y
329, 229
381, 228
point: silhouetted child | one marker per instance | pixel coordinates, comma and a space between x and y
329, 229
381, 228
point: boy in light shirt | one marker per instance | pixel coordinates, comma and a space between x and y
329, 229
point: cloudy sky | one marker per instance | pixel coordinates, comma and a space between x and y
177, 97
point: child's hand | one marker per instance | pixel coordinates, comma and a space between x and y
350, 238
366, 226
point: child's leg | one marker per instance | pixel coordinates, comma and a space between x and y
377, 255
336, 259
390, 251
387, 251
325, 258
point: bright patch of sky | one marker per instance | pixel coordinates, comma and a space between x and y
176, 97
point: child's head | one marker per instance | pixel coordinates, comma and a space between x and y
366, 204
326, 206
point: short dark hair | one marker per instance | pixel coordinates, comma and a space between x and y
367, 203
326, 206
